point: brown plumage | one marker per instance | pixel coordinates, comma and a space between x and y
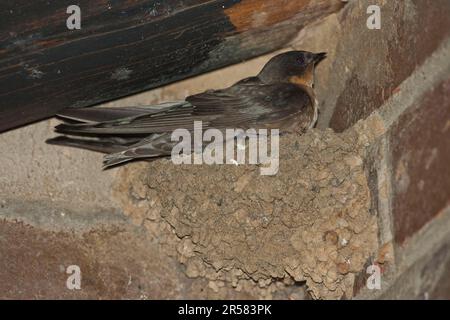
280, 97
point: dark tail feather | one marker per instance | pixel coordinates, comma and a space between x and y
114, 131
102, 114
124, 121
109, 162
78, 128
98, 145
114, 159
97, 114
78, 121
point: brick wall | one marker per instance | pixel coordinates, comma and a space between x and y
401, 74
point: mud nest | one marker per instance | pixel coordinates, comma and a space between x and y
309, 224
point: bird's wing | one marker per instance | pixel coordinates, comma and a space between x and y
102, 114
152, 147
243, 105
103, 144
237, 107
138, 121
251, 104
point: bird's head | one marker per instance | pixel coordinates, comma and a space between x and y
293, 66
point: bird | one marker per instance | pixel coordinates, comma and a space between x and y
281, 96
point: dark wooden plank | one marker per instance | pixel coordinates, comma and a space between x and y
125, 47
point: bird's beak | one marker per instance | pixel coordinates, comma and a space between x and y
319, 57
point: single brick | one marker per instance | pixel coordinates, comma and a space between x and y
420, 155
382, 59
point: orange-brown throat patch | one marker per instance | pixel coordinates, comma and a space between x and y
307, 79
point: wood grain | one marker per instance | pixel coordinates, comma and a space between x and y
125, 47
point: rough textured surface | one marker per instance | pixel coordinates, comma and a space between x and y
420, 146
31, 170
309, 223
421, 268
117, 260
34, 261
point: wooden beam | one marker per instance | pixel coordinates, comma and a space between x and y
124, 47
